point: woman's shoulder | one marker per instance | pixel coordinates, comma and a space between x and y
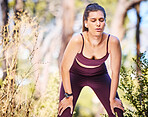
113, 43
113, 39
76, 38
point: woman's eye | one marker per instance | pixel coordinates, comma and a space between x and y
93, 20
101, 19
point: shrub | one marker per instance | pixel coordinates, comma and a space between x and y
134, 84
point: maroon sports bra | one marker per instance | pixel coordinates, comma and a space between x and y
91, 62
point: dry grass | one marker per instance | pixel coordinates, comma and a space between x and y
17, 99
21, 31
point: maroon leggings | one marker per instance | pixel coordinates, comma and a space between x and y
100, 85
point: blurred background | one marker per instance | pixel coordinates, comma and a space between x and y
34, 34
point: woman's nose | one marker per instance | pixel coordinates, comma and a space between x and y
98, 23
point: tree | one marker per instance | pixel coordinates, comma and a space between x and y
5, 10
18, 5
68, 22
117, 24
137, 7
46, 46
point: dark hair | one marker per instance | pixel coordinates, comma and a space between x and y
90, 8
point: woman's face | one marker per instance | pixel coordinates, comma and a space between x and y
95, 22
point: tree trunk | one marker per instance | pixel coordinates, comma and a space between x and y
137, 7
117, 25
5, 10
68, 22
18, 5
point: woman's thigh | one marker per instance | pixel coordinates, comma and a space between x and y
101, 86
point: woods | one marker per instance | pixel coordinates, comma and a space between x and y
34, 35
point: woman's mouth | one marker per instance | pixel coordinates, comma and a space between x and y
98, 29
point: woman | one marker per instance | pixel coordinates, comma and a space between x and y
83, 64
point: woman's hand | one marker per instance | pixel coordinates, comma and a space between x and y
116, 103
65, 103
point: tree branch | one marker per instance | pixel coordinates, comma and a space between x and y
130, 4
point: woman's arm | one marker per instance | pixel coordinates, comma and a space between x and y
71, 50
115, 56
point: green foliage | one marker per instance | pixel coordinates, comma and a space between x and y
11, 4
41, 9
134, 84
105, 115
47, 106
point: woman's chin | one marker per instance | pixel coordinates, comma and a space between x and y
98, 32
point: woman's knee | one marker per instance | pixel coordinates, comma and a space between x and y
66, 113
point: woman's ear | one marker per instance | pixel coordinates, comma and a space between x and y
86, 24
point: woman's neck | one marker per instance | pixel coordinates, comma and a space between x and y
93, 39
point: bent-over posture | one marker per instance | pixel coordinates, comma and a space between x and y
83, 64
